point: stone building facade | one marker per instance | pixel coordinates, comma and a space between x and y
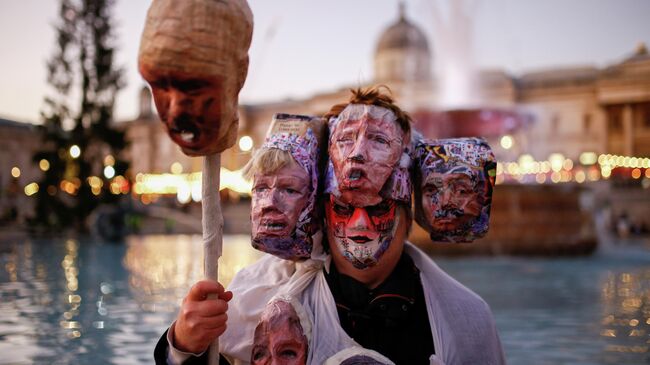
570, 110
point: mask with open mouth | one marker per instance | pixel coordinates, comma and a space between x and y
362, 234
194, 55
283, 205
369, 157
455, 178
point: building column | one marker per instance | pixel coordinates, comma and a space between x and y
628, 130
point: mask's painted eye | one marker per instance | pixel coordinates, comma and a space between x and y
379, 209
341, 209
160, 84
379, 138
346, 136
291, 191
288, 354
261, 188
259, 353
430, 189
190, 86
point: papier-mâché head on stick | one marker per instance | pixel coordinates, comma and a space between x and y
194, 55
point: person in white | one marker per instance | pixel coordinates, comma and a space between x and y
369, 258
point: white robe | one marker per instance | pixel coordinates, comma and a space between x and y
462, 325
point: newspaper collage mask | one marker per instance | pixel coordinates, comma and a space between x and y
367, 175
369, 157
455, 178
283, 202
282, 334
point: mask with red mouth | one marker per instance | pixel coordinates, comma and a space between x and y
454, 179
369, 157
362, 234
194, 56
283, 202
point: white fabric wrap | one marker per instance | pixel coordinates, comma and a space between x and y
343, 355
461, 322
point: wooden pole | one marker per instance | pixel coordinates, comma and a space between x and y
212, 229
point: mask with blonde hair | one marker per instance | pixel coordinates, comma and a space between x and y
285, 181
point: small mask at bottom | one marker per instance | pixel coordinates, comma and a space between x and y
283, 213
362, 234
454, 182
282, 334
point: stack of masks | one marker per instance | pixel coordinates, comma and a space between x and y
368, 174
454, 179
284, 202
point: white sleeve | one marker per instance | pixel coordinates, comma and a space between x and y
175, 356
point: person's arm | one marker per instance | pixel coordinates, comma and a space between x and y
166, 354
199, 322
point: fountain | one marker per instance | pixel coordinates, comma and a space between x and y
526, 219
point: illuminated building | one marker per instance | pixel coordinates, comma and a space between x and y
577, 112
573, 110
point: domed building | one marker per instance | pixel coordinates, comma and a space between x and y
573, 109
402, 53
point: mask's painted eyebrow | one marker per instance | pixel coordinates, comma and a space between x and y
460, 181
189, 84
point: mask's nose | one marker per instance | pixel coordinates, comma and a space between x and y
179, 104
269, 199
360, 223
359, 152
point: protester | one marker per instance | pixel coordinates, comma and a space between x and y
375, 290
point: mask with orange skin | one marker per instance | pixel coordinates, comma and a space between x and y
194, 55
455, 178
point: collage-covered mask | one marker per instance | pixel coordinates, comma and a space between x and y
283, 201
362, 234
369, 157
282, 334
455, 179
367, 177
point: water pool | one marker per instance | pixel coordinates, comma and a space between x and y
79, 302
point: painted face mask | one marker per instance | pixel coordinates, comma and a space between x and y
194, 55
281, 337
283, 201
369, 159
362, 235
455, 179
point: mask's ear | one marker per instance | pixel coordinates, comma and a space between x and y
463, 169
